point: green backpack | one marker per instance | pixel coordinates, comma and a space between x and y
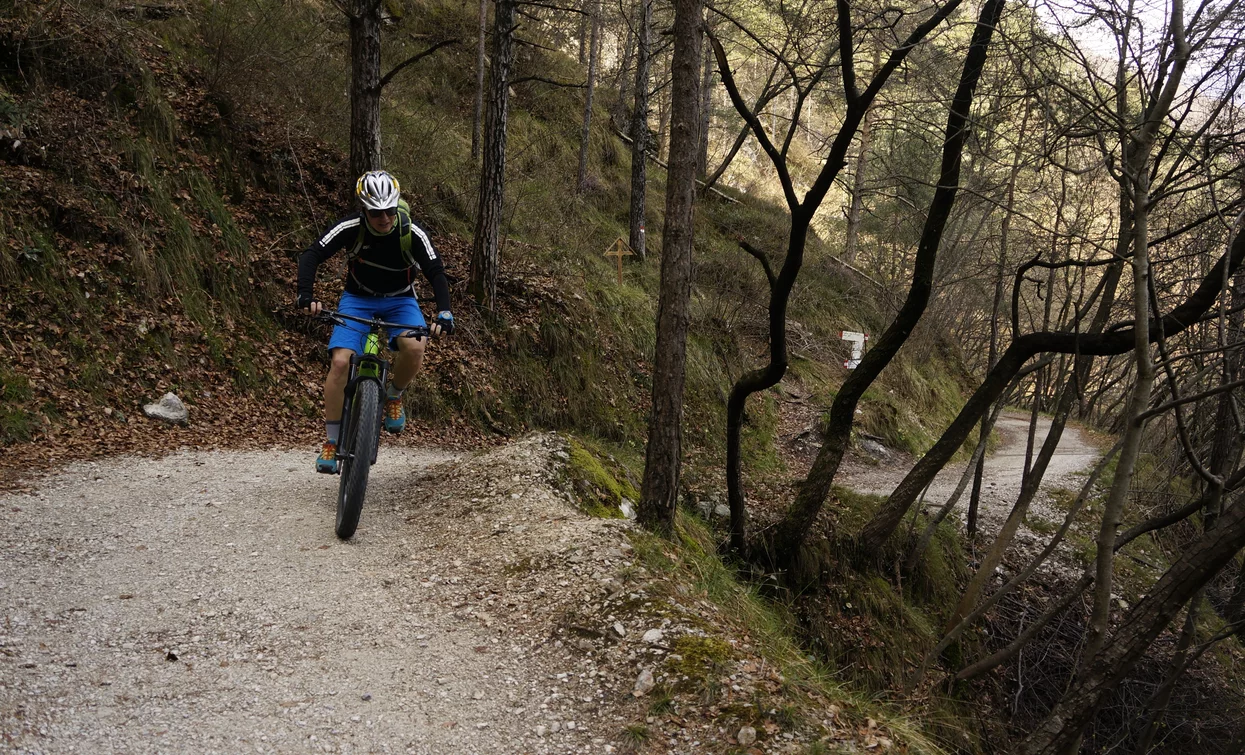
404, 233
404, 240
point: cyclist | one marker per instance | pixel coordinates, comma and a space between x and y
383, 246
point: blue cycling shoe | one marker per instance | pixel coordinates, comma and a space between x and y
326, 463
395, 414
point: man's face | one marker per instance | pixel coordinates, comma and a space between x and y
382, 221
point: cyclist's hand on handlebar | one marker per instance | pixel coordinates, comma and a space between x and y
443, 325
307, 304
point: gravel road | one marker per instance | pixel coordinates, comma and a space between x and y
201, 603
1073, 457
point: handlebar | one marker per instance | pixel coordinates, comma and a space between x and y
340, 318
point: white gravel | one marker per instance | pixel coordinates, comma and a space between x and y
201, 603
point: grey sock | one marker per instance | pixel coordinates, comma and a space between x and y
334, 430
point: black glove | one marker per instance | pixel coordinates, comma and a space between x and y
446, 321
304, 301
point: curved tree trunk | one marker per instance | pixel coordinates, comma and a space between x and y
801, 215
799, 518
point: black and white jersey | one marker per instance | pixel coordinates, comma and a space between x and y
380, 268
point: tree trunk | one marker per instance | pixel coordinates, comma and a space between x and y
585, 134
477, 121
663, 126
1028, 491
365, 87
1004, 239
858, 180
484, 248
623, 82
663, 458
1235, 328
639, 132
582, 34
706, 113
1161, 698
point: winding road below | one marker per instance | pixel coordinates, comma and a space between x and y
1004, 469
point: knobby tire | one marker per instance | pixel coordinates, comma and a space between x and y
366, 411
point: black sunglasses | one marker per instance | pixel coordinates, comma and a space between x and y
381, 213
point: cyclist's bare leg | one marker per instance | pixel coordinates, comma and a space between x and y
335, 385
408, 362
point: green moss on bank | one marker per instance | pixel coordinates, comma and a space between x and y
599, 482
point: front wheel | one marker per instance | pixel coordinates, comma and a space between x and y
365, 434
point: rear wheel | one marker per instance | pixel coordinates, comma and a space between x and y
365, 435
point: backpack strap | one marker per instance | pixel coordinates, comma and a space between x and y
404, 232
353, 252
404, 241
404, 236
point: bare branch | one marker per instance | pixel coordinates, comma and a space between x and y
414, 59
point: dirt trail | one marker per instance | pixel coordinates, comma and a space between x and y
201, 603
1001, 478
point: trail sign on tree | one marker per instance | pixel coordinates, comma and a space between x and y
619, 250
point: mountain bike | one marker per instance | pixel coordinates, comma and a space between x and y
362, 413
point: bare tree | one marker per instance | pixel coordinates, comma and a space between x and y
484, 247
585, 136
639, 129
789, 535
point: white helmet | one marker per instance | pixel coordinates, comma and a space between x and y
377, 190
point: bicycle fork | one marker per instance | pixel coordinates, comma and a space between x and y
362, 367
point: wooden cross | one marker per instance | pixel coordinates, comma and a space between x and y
620, 249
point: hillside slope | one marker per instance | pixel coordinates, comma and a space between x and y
151, 202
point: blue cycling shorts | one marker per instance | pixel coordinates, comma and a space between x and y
397, 309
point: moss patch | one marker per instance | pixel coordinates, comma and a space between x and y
596, 482
697, 659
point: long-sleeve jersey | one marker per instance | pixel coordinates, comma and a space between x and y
380, 268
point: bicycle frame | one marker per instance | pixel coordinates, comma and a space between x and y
369, 365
